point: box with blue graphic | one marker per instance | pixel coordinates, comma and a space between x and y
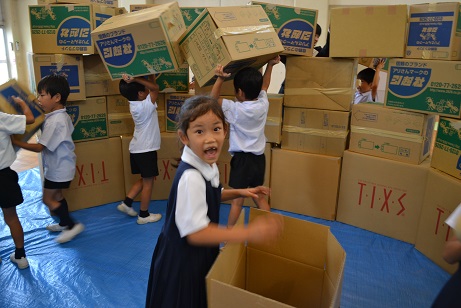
426, 86
69, 66
66, 28
89, 118
434, 31
446, 155
7, 105
294, 26
142, 42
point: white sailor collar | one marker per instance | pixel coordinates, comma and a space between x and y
210, 173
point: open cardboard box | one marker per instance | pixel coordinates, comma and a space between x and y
303, 268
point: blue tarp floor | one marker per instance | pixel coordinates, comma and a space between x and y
108, 264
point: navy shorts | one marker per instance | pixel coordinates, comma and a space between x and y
10, 191
56, 185
144, 164
247, 170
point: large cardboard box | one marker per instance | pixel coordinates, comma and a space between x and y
273, 127
89, 118
446, 155
303, 268
427, 86
315, 131
389, 133
383, 36
295, 27
7, 105
224, 167
69, 66
173, 104
234, 37
161, 112
137, 7
320, 83
442, 196
227, 88
119, 119
97, 79
434, 31
142, 42
66, 28
167, 157
99, 177
111, 3
305, 183
382, 195
190, 14
174, 81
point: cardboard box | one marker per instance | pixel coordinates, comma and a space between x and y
137, 7
224, 167
315, 131
427, 86
7, 105
442, 196
382, 195
89, 118
303, 268
142, 42
175, 81
97, 79
434, 31
389, 133
173, 104
69, 66
305, 183
161, 112
320, 83
446, 155
227, 88
99, 177
384, 34
295, 27
66, 28
190, 14
111, 3
373, 62
273, 127
120, 124
167, 156
234, 37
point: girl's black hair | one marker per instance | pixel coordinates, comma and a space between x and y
54, 84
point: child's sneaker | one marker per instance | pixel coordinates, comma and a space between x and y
56, 228
151, 218
122, 207
69, 234
21, 263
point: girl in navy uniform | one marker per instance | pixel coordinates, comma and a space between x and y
189, 242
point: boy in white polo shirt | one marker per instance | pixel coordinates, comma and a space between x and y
142, 94
58, 157
247, 142
10, 191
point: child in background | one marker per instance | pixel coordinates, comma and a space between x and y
57, 148
367, 84
247, 142
189, 242
10, 191
142, 94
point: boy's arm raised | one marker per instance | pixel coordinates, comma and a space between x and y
375, 84
268, 73
150, 83
221, 76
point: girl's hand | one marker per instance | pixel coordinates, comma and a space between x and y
265, 229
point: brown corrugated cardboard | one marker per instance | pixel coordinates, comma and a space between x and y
305, 183
320, 83
142, 42
227, 88
382, 195
111, 3
389, 133
446, 155
315, 131
69, 66
234, 37
120, 124
7, 105
66, 28
97, 79
167, 156
89, 118
99, 177
368, 31
434, 31
442, 196
303, 268
273, 128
